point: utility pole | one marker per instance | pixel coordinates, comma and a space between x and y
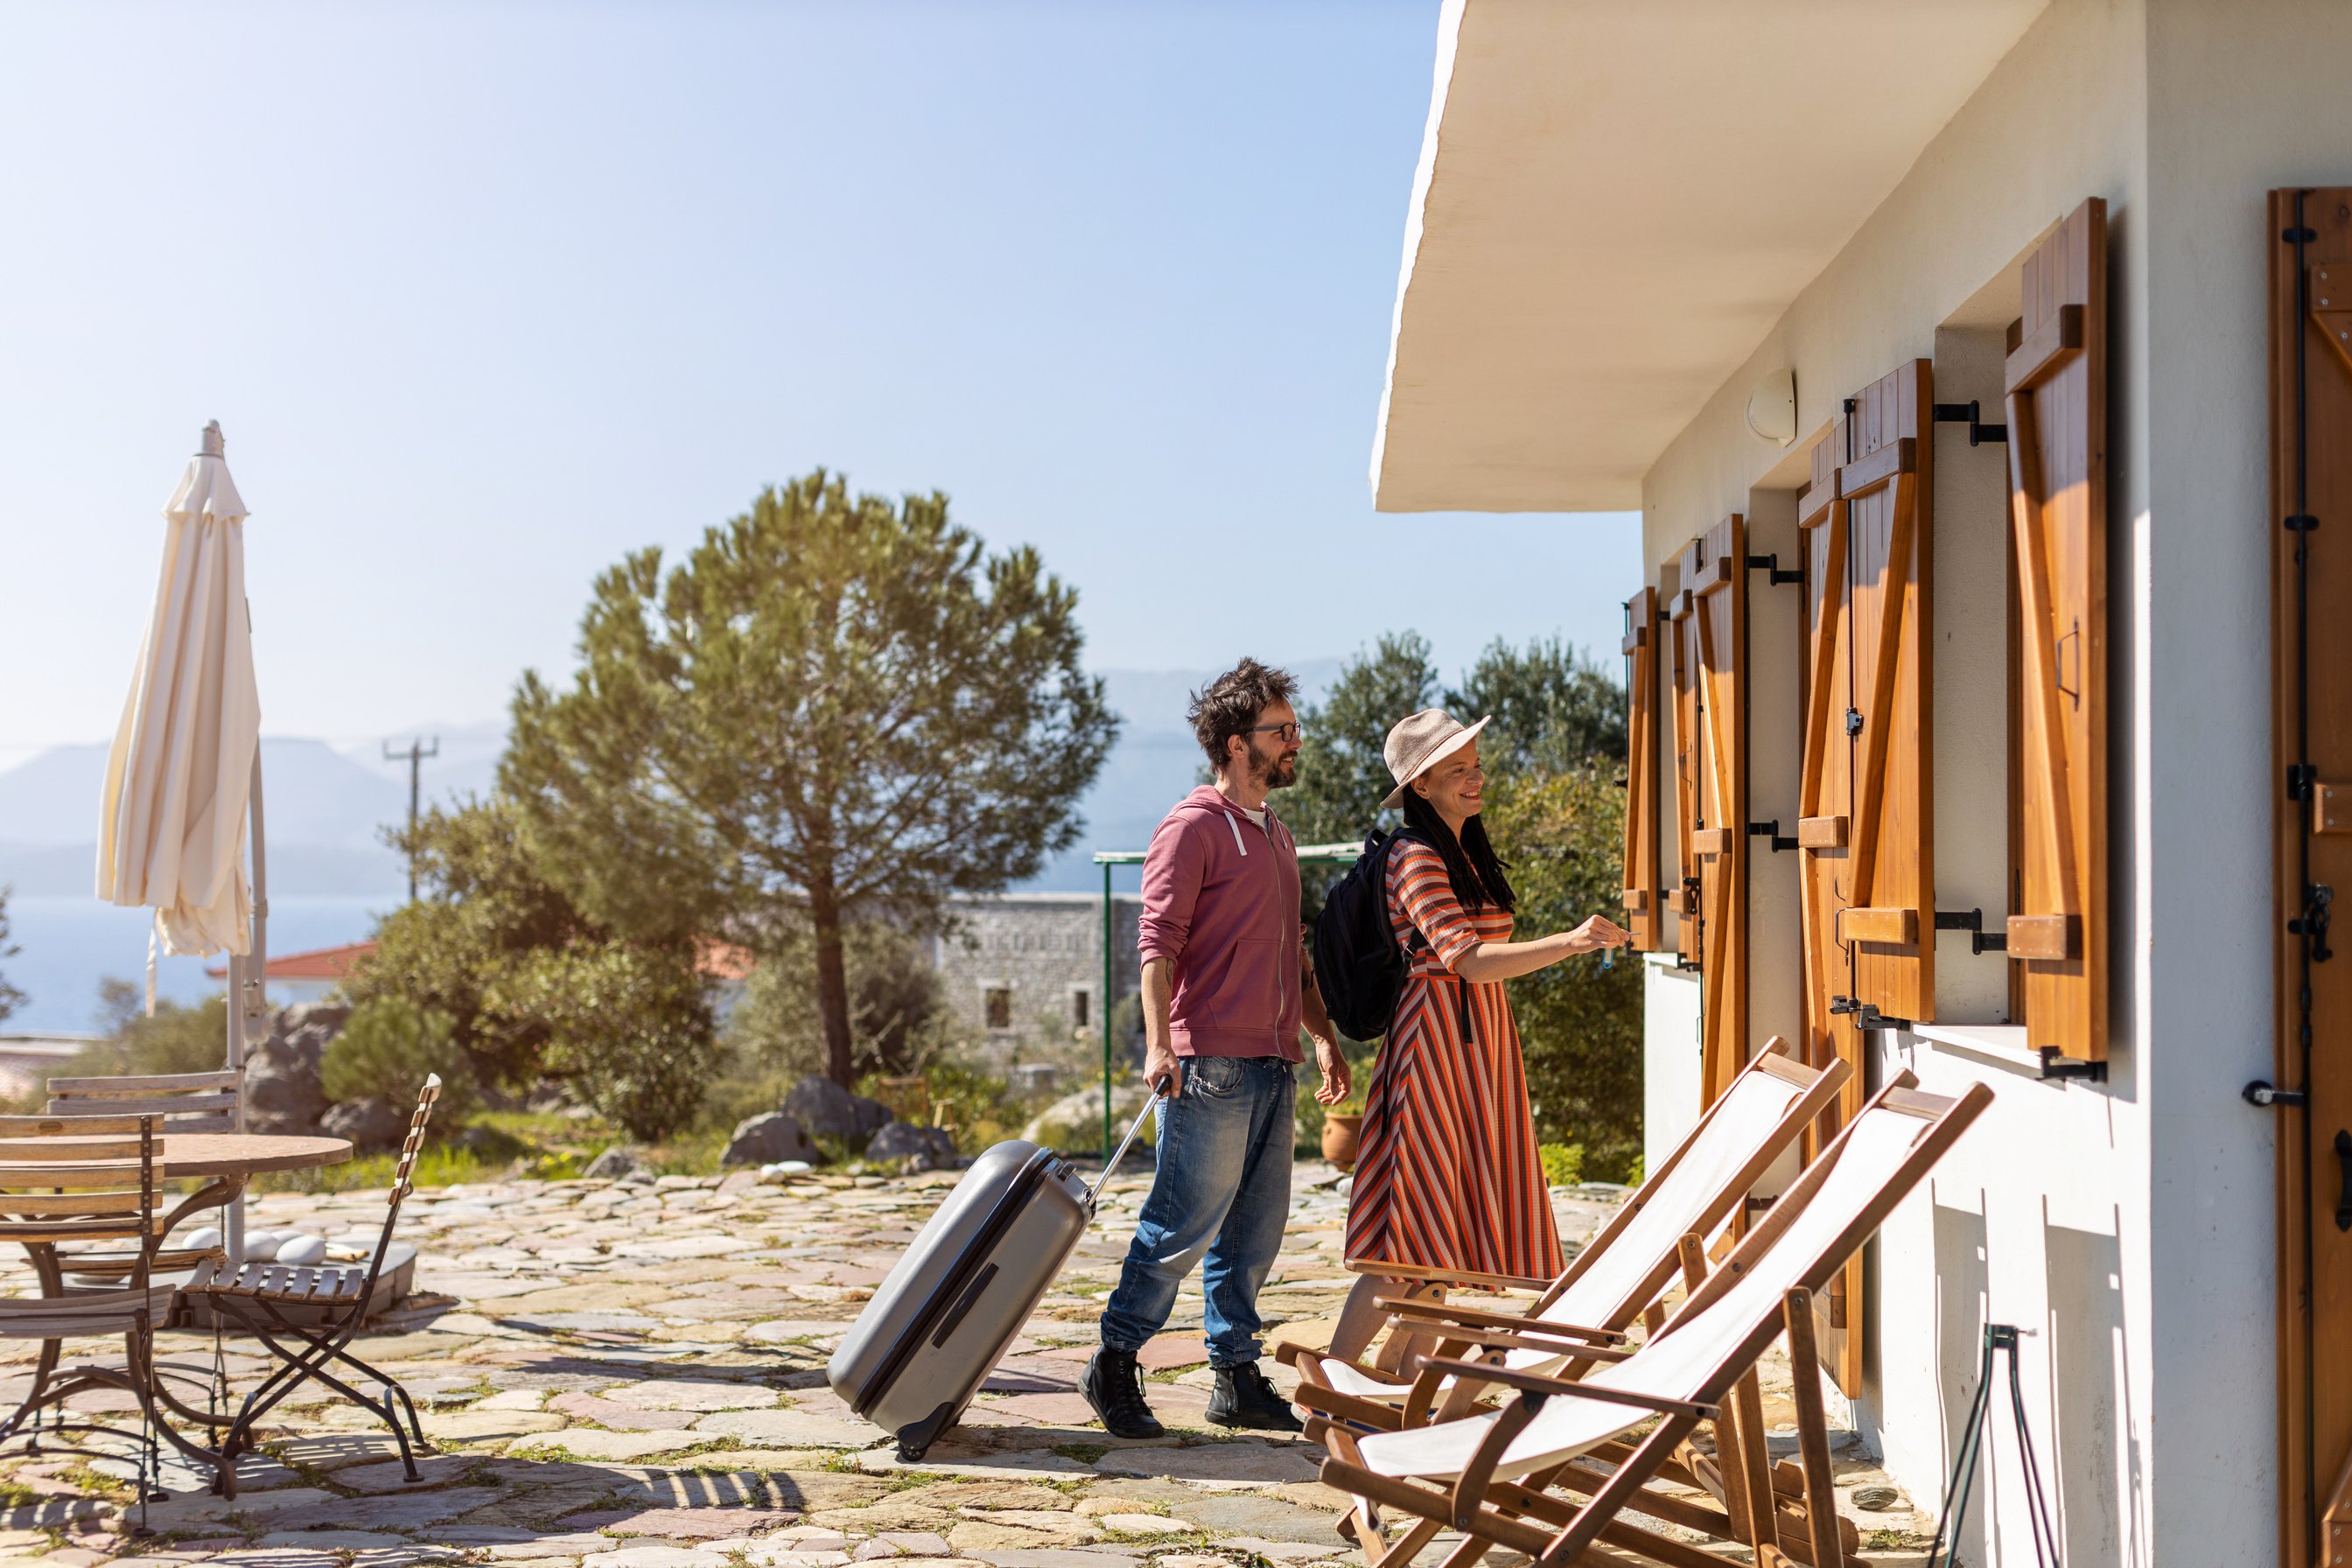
416, 753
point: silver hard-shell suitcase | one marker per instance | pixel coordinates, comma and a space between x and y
943, 1319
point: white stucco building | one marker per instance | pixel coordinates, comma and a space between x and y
1745, 268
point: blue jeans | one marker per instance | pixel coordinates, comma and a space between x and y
1224, 1194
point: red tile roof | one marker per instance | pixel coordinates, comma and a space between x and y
715, 960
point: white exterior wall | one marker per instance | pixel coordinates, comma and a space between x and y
1670, 1064
2041, 1215
2129, 1225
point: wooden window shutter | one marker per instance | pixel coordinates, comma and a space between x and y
1714, 575
1865, 830
1643, 913
2309, 240
2057, 386
1681, 653
1888, 921
1825, 815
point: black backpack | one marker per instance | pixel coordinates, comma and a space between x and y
1359, 966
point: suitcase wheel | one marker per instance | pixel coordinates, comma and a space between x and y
915, 1438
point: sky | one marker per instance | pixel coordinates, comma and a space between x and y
487, 296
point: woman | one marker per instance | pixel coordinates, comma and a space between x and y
1447, 1172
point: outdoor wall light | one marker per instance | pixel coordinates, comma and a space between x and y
1772, 408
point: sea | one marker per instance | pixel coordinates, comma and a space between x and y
67, 946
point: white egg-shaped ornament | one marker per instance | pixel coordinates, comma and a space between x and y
261, 1246
205, 1239
302, 1251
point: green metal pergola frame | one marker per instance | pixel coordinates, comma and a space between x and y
1309, 854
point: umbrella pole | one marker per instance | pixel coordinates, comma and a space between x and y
248, 1000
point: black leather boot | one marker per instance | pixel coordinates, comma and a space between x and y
1245, 1398
1114, 1388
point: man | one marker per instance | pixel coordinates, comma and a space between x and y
1226, 986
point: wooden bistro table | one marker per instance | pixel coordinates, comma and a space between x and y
224, 1163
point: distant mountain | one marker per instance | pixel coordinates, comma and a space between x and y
323, 815
326, 805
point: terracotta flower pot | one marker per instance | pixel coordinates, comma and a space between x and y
1339, 1133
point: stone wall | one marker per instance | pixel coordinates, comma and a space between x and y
1022, 972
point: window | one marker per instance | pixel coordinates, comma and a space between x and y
996, 1006
1081, 1006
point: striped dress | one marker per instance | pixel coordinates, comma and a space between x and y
1448, 1175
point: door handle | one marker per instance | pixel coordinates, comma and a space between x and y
2344, 1193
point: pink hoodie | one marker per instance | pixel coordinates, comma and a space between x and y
1221, 903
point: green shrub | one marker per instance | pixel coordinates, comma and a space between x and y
384, 1051
1563, 1163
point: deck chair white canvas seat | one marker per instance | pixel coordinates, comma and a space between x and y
1488, 1474
1617, 1275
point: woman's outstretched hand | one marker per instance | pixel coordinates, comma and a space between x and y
1598, 932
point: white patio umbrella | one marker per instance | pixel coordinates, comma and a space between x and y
186, 769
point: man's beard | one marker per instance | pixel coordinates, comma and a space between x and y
1275, 771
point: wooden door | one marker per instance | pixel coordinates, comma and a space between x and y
1681, 652
2057, 387
1888, 922
1714, 575
2311, 537
1826, 814
1643, 915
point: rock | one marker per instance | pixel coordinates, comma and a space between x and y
829, 1110
765, 1139
371, 1124
614, 1165
282, 1092
1073, 1122
921, 1148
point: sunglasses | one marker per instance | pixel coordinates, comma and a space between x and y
1286, 733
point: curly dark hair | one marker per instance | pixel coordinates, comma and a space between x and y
1229, 705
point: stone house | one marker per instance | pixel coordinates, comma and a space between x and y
1021, 972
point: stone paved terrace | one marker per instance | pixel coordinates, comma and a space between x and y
631, 1374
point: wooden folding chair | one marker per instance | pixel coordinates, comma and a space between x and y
307, 1317
67, 1181
1619, 1273
1514, 1476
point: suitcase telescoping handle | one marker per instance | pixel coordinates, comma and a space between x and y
1152, 1105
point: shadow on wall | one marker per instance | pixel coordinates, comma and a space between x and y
2088, 1368
1963, 1280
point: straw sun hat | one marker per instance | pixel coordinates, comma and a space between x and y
1419, 742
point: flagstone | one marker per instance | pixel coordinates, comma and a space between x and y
619, 1417
596, 1443
690, 1395
903, 1544
478, 1426
791, 1427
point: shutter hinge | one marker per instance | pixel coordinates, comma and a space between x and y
1866, 1015
1972, 922
2261, 1093
1967, 414
1854, 722
1771, 563
2054, 1066
2300, 777
1771, 830
2315, 921
2301, 522
2300, 235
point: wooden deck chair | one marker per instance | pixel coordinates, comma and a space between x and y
181, 1102
1514, 1476
1619, 1273
307, 1317
65, 1181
